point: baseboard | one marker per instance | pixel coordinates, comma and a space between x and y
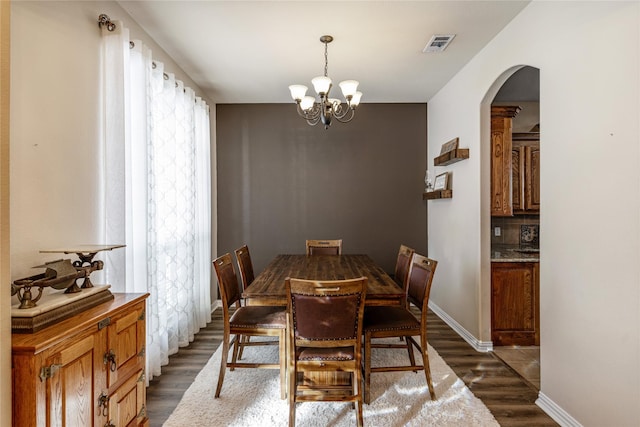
558, 414
481, 346
216, 304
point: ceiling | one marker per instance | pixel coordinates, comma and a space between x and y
251, 51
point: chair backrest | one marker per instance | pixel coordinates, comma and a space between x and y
326, 313
245, 266
324, 247
403, 262
227, 281
419, 284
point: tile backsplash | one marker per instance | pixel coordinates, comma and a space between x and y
529, 235
522, 230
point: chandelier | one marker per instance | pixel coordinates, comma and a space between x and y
327, 108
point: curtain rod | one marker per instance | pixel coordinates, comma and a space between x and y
104, 19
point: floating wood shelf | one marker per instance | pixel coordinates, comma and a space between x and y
437, 194
451, 157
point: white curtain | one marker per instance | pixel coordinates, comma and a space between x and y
157, 194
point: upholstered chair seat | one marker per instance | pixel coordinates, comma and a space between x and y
326, 354
389, 319
259, 317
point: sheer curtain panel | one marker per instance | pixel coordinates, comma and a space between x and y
157, 193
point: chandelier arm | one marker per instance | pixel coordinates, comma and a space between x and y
310, 114
338, 111
344, 110
314, 121
315, 112
348, 115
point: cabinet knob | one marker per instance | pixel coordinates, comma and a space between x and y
103, 402
110, 359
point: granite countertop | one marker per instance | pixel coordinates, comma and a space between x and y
505, 253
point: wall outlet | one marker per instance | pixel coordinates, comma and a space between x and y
497, 231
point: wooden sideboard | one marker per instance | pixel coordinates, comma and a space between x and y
88, 370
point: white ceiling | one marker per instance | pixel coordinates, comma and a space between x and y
251, 51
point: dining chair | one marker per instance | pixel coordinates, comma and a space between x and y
325, 338
401, 271
399, 321
324, 247
245, 267
249, 321
403, 261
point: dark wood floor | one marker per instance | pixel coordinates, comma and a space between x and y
508, 396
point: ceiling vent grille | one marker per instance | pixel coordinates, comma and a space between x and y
438, 43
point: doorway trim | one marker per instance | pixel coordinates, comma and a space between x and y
485, 203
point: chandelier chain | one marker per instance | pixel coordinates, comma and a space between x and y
326, 59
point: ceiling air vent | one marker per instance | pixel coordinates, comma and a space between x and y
438, 43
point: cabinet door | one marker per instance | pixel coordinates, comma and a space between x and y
517, 178
126, 344
532, 178
73, 374
501, 167
127, 405
514, 303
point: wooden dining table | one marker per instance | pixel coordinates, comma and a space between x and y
268, 288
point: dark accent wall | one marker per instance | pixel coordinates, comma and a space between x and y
281, 181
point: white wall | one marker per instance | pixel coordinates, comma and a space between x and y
588, 56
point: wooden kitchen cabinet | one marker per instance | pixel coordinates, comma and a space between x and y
501, 159
87, 370
515, 305
525, 173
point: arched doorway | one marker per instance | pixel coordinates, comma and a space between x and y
512, 284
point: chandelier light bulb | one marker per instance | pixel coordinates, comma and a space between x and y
355, 101
321, 84
349, 88
298, 92
307, 103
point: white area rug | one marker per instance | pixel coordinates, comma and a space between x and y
251, 397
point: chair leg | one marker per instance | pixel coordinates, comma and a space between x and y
425, 362
236, 346
292, 393
282, 346
357, 391
223, 363
412, 358
367, 367
244, 339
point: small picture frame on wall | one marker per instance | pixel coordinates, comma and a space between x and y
449, 146
441, 182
